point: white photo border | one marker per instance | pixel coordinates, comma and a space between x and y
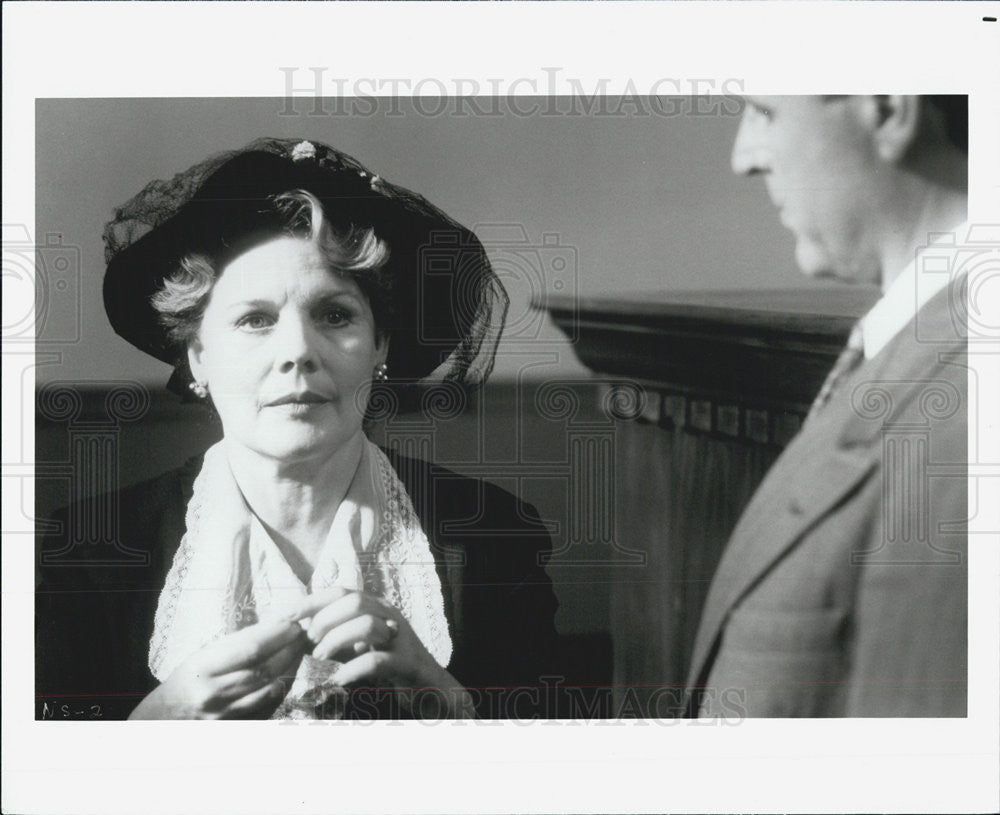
231, 49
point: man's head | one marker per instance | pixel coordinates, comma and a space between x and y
850, 174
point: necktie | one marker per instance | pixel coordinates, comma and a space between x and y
849, 359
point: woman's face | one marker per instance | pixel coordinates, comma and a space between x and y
287, 349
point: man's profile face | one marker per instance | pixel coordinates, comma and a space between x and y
819, 165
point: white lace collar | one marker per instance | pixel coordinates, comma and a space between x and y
228, 573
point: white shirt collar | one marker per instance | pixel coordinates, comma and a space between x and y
928, 273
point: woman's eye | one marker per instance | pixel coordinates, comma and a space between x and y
336, 316
254, 322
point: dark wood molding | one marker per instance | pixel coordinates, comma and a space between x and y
756, 348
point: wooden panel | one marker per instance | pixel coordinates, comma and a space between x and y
680, 495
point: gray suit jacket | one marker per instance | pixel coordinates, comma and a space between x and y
843, 589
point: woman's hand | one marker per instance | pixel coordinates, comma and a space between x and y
243, 675
377, 647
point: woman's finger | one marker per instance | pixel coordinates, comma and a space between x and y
248, 647
258, 704
367, 630
369, 669
347, 608
246, 680
314, 602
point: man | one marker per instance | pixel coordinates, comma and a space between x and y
842, 591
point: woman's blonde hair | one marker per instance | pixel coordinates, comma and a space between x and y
356, 253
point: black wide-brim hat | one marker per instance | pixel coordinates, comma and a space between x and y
448, 306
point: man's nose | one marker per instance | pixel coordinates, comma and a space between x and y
296, 345
748, 154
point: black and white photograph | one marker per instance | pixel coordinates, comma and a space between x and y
498, 424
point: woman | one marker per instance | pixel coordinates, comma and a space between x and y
297, 570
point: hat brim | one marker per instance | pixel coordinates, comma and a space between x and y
438, 269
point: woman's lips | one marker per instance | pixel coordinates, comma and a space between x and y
300, 404
298, 408
307, 398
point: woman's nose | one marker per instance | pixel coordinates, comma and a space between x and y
296, 348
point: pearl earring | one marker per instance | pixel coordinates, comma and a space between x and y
199, 389
381, 372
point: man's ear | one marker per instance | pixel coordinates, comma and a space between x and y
195, 353
897, 122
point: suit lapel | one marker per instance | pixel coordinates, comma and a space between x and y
782, 511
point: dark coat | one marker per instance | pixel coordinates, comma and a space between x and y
94, 621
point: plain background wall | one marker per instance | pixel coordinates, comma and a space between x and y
632, 203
